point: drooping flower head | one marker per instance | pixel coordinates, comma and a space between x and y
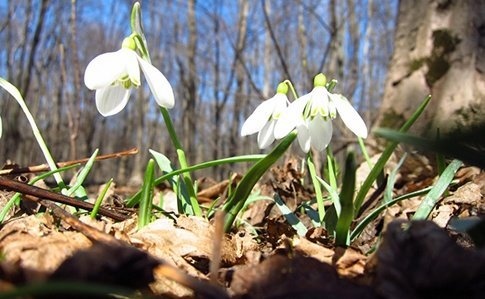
264, 117
312, 116
114, 74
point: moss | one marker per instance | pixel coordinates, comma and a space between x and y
444, 43
416, 64
392, 119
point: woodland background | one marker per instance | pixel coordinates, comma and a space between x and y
222, 58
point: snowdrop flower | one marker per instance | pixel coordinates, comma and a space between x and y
264, 117
312, 116
114, 74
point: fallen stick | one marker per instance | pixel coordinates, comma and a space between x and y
39, 193
45, 167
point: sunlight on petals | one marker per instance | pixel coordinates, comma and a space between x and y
112, 99
320, 131
159, 85
258, 119
266, 136
103, 70
303, 136
349, 115
291, 117
265, 116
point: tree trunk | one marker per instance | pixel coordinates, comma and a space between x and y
189, 114
439, 50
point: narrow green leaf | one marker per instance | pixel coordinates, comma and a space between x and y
145, 209
292, 219
386, 154
391, 180
434, 195
100, 199
83, 174
135, 199
237, 199
346, 216
375, 212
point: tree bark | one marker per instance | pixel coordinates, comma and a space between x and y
439, 50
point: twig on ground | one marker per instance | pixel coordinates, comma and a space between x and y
45, 167
37, 193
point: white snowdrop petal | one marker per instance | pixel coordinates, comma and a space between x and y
320, 132
303, 136
349, 115
266, 136
104, 69
159, 85
258, 119
112, 99
130, 59
290, 117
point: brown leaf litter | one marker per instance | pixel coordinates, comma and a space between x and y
172, 258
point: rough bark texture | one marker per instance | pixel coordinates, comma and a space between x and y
439, 50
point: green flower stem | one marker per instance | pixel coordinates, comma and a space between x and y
317, 187
10, 88
293, 91
364, 152
237, 199
183, 162
332, 176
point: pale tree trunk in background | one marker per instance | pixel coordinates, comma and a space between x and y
439, 50
303, 41
241, 96
190, 100
268, 58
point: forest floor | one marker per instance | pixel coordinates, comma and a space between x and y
184, 257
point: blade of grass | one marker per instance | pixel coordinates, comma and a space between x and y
434, 195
